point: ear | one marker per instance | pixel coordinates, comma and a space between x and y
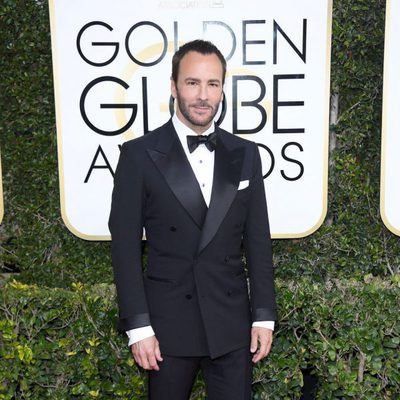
173, 88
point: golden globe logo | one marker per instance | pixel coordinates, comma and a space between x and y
112, 84
239, 78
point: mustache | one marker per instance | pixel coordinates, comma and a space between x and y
201, 104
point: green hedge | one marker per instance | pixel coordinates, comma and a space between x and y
337, 320
34, 241
59, 344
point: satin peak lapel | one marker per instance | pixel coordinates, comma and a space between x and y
171, 161
227, 171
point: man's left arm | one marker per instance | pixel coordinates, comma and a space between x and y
257, 243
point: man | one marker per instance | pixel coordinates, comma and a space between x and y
199, 198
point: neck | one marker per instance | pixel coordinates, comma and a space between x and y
198, 129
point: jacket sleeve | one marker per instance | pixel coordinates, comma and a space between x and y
126, 227
258, 249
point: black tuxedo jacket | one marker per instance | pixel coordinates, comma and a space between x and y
194, 292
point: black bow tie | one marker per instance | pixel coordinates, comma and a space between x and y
210, 141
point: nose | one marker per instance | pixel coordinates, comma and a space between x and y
203, 92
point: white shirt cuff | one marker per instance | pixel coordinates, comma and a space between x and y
135, 335
264, 324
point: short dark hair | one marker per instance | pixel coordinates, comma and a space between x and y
200, 46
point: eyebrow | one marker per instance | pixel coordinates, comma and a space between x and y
198, 80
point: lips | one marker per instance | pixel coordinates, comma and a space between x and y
201, 107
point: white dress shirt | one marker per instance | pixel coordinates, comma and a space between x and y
202, 163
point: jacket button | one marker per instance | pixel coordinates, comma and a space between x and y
172, 228
226, 259
229, 293
188, 296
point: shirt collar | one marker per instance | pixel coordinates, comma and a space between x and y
182, 130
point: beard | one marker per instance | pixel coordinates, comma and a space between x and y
191, 117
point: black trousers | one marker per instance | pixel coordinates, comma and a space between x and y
227, 377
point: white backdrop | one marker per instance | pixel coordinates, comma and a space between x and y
112, 65
390, 165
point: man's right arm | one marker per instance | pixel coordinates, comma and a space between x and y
126, 227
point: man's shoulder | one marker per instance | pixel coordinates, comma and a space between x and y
146, 140
236, 141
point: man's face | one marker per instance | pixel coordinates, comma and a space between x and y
198, 90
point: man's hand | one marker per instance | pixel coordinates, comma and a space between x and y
146, 353
261, 340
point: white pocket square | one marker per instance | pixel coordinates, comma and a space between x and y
243, 184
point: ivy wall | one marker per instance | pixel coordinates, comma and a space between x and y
351, 248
